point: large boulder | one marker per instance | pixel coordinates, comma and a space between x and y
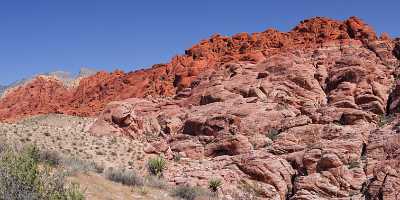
269, 169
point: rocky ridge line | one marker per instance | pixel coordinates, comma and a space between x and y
66, 79
94, 92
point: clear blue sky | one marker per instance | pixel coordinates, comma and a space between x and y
41, 36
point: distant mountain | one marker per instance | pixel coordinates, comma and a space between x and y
68, 78
2, 88
85, 72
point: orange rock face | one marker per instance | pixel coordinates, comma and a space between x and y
307, 121
94, 92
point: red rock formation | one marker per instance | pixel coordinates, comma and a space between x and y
93, 93
297, 115
301, 124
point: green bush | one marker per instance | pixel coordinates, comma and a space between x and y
273, 134
214, 185
385, 119
126, 177
354, 164
56, 189
19, 174
21, 178
156, 166
74, 193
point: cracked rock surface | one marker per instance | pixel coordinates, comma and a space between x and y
302, 124
306, 115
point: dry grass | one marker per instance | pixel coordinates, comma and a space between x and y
99, 188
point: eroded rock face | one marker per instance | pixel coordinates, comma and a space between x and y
300, 124
93, 93
383, 162
274, 115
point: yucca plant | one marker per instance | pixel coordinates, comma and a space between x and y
156, 166
214, 184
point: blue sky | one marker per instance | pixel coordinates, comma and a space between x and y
41, 36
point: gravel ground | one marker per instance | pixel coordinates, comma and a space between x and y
68, 135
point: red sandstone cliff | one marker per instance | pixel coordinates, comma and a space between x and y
93, 93
315, 120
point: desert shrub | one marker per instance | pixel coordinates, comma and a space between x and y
214, 184
74, 165
385, 119
143, 190
273, 134
74, 193
3, 145
156, 166
19, 174
55, 187
71, 163
186, 192
156, 182
99, 168
282, 106
21, 178
126, 177
177, 157
113, 140
50, 157
337, 123
354, 164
